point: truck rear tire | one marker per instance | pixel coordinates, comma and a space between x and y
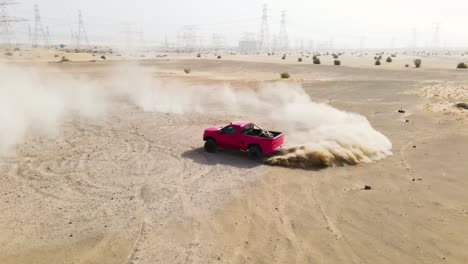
210, 145
255, 153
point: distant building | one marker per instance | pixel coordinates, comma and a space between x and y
248, 46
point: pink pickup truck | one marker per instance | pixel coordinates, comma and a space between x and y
244, 136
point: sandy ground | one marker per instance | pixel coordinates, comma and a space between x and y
137, 187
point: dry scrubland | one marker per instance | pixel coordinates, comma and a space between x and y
122, 178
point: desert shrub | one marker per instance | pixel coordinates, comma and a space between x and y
417, 63
337, 62
56, 56
284, 75
462, 105
64, 59
16, 49
377, 63
393, 55
389, 59
198, 55
375, 58
219, 57
462, 65
8, 53
103, 57
406, 65
299, 59
316, 60
335, 56
284, 57
269, 53
187, 70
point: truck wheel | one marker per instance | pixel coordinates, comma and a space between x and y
210, 145
255, 153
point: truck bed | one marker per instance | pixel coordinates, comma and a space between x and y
258, 133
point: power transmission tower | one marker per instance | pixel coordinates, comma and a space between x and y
436, 39
38, 28
392, 43
188, 38
331, 43
72, 36
414, 43
81, 34
283, 35
264, 35
29, 34
47, 38
6, 32
362, 43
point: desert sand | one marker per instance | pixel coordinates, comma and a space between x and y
136, 186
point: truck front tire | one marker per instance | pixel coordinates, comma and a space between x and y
210, 145
255, 153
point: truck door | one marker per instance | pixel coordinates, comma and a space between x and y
228, 136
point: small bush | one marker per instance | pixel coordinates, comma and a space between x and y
316, 60
285, 75
198, 55
16, 49
393, 55
406, 65
299, 59
417, 63
335, 56
103, 57
377, 63
187, 70
56, 56
219, 57
337, 62
64, 59
389, 59
462, 65
8, 54
284, 57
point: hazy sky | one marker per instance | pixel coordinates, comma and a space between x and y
344, 21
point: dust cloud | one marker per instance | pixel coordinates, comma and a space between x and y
34, 104
317, 134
